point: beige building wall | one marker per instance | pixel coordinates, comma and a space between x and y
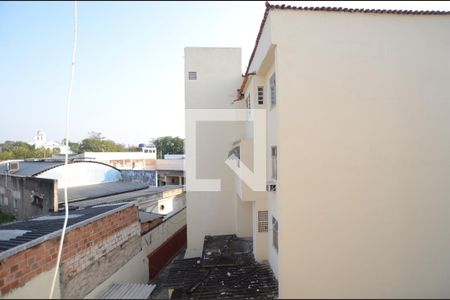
137, 269
37, 288
208, 213
363, 154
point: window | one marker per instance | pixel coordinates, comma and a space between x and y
263, 221
273, 90
274, 162
38, 201
192, 75
248, 103
275, 233
260, 95
237, 152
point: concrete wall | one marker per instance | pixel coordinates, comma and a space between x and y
144, 176
84, 271
137, 269
164, 203
106, 156
81, 173
218, 77
26, 197
364, 154
170, 164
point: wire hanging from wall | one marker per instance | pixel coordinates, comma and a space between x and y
69, 97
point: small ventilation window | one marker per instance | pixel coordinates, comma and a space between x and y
273, 90
274, 162
263, 221
192, 75
275, 233
260, 95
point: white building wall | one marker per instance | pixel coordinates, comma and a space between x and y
108, 156
364, 154
170, 164
218, 77
82, 173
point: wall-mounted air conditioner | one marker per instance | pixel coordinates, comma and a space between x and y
271, 186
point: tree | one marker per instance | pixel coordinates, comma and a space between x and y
97, 143
168, 145
74, 147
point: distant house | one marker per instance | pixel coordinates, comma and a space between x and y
40, 141
140, 166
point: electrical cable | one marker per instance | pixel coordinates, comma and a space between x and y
69, 96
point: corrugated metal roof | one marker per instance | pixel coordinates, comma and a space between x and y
31, 168
38, 229
145, 217
128, 291
100, 190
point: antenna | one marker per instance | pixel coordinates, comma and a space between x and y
69, 96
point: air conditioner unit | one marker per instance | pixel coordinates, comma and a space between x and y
13, 167
271, 186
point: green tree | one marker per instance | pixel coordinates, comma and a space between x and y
74, 147
168, 145
97, 143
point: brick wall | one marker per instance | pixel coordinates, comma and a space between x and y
88, 243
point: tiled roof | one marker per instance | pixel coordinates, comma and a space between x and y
270, 7
212, 277
93, 191
37, 230
31, 168
128, 291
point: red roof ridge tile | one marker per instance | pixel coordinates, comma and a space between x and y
332, 9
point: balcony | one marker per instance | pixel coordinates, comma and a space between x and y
242, 154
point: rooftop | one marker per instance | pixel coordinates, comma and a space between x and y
209, 278
31, 168
127, 291
93, 191
270, 7
20, 235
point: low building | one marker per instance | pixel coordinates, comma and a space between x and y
40, 141
30, 188
140, 166
170, 171
111, 239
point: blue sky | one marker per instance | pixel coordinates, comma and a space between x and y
129, 82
